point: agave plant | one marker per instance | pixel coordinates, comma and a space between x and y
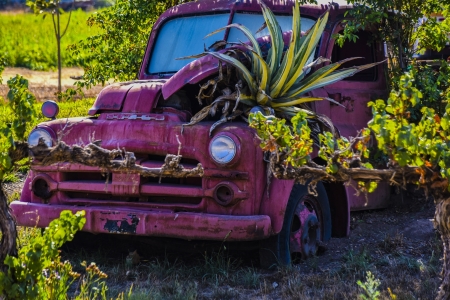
279, 81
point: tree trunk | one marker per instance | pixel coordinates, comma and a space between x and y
8, 244
442, 223
58, 43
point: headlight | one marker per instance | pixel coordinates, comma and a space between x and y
50, 109
35, 135
222, 149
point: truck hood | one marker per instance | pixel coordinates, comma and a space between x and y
139, 96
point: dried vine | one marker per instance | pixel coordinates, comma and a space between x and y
96, 156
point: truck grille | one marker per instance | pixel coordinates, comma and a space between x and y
82, 185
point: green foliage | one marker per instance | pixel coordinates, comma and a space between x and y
20, 101
116, 51
44, 7
29, 42
93, 285
370, 287
37, 272
397, 23
20, 105
434, 84
292, 141
424, 144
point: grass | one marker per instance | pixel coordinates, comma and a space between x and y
27, 40
236, 275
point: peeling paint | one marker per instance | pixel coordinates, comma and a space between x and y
122, 226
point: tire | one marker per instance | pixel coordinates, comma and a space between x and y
307, 223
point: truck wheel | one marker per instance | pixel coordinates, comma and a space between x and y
307, 223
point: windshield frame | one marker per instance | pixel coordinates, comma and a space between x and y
207, 7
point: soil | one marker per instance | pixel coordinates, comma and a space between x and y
44, 84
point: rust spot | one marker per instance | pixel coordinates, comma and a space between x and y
122, 226
255, 231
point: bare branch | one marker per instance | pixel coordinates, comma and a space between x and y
96, 156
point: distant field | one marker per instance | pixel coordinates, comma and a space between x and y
27, 40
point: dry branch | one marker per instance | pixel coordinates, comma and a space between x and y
395, 175
95, 156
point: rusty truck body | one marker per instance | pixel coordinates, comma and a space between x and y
234, 200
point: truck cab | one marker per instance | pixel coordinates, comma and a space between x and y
235, 199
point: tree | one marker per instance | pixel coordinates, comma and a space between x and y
45, 7
418, 154
116, 52
401, 24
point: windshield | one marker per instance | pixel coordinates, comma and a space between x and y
255, 21
185, 36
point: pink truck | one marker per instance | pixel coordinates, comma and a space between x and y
233, 201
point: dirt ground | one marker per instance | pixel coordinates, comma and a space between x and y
44, 84
397, 244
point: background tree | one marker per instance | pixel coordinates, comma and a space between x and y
116, 52
400, 24
52, 7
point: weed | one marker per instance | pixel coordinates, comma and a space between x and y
177, 291
392, 244
163, 268
410, 264
10, 177
356, 262
14, 196
248, 277
293, 287
217, 266
225, 293
370, 287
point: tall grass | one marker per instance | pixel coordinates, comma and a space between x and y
27, 40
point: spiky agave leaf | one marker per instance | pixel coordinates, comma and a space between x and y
255, 45
299, 87
276, 51
331, 78
283, 71
306, 49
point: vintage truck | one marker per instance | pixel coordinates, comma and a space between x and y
233, 201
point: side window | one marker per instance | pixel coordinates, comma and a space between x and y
363, 47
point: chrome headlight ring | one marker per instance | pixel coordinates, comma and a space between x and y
36, 134
224, 149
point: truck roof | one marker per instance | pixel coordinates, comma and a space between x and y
280, 6
270, 2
